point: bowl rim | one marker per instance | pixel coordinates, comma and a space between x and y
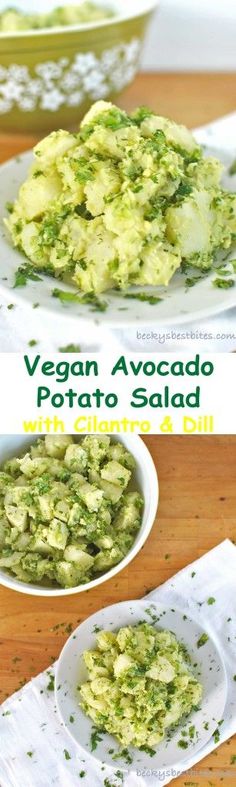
79, 28
150, 470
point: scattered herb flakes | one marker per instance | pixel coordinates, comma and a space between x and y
206, 725
9, 207
144, 297
216, 735
119, 775
167, 556
234, 677
193, 574
82, 774
67, 755
223, 271
6, 713
96, 628
190, 281
125, 755
202, 640
223, 284
87, 299
23, 274
51, 683
95, 738
232, 168
70, 348
233, 759
32, 342
148, 750
182, 744
35, 305
72, 718
29, 753
211, 600
11, 306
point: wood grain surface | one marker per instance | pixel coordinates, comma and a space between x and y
197, 511
192, 99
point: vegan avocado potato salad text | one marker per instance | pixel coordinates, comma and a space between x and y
66, 514
140, 684
128, 200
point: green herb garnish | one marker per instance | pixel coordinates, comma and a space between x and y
25, 273
202, 640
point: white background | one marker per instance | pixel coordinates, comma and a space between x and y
18, 391
192, 35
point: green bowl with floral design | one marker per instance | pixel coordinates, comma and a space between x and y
50, 77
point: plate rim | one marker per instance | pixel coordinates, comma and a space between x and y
185, 755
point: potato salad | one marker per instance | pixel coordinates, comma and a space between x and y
67, 514
13, 20
140, 684
128, 200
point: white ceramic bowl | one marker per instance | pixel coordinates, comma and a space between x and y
207, 667
145, 480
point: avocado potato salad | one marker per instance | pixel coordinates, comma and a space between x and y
66, 513
12, 20
127, 200
140, 684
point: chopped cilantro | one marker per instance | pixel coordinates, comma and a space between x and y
95, 738
50, 685
29, 753
202, 640
223, 284
148, 750
190, 281
67, 755
11, 306
144, 297
123, 754
23, 273
72, 718
216, 736
70, 348
193, 574
183, 744
211, 600
82, 774
32, 342
38, 173
74, 297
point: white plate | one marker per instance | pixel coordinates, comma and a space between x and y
178, 306
144, 479
209, 670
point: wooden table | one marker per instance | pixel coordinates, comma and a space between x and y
192, 99
196, 512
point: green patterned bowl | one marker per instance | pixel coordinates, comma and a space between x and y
49, 78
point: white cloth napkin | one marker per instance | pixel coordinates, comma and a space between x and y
20, 325
35, 749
